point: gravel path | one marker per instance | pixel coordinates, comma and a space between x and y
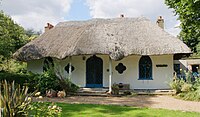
158, 101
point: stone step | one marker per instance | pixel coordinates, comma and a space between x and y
103, 92
93, 90
91, 94
154, 91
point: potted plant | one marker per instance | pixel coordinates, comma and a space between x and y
115, 89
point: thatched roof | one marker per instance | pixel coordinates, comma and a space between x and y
118, 37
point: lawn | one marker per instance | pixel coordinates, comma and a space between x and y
91, 110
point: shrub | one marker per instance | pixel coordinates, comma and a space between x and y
196, 84
71, 86
187, 89
65, 83
192, 95
127, 93
15, 100
49, 80
198, 48
176, 85
42, 82
188, 76
28, 79
11, 65
11, 76
41, 109
115, 89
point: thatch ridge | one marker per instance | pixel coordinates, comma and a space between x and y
117, 37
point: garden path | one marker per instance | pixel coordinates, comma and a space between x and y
157, 101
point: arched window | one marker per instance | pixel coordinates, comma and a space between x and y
145, 68
48, 63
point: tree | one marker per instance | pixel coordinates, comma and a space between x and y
32, 34
12, 36
198, 48
189, 15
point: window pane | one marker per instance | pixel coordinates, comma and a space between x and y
177, 68
145, 68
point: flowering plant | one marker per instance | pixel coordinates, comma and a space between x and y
41, 109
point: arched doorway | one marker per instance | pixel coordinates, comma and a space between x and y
94, 72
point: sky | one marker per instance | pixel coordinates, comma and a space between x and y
35, 14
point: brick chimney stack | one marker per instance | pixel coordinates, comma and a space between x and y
48, 27
160, 22
122, 15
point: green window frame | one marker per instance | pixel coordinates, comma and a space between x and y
145, 68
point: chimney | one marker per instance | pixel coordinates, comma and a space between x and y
48, 27
160, 22
122, 15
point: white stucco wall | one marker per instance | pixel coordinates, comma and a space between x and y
161, 75
78, 76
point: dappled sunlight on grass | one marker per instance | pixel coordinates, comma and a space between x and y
91, 110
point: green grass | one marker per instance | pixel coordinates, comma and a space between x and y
92, 110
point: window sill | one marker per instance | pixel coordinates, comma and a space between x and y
145, 79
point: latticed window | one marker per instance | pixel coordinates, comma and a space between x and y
145, 68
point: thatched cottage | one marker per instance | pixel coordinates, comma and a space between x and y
100, 52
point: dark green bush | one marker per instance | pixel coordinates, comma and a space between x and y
48, 80
39, 82
71, 86
65, 83
44, 81
9, 76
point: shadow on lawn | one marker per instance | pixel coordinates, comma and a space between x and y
98, 110
92, 105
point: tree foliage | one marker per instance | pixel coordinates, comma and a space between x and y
12, 36
32, 34
198, 48
189, 15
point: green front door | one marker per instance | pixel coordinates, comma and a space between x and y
94, 72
